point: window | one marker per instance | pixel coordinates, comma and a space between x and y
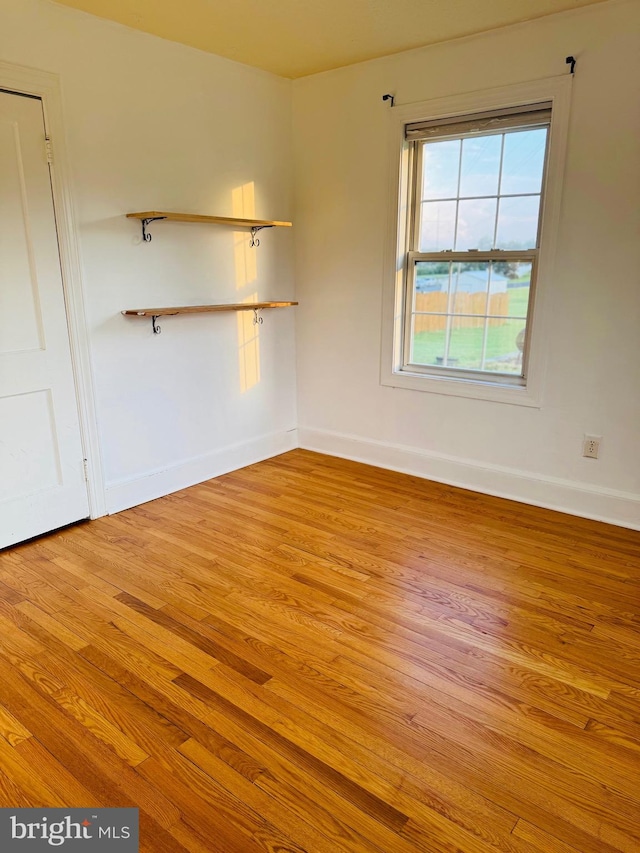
476, 189
474, 238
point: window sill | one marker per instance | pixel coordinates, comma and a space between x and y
473, 389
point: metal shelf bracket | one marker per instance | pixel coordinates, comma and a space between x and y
146, 237
258, 319
254, 230
154, 324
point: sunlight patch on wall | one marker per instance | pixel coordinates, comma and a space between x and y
248, 347
244, 206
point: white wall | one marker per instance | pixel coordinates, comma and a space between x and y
155, 125
593, 384
152, 124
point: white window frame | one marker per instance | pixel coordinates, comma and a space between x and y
557, 91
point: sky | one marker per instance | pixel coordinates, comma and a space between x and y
482, 192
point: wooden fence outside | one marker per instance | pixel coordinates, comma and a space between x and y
463, 303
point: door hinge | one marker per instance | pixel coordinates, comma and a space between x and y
49, 149
85, 468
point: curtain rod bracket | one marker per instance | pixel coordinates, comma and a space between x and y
571, 60
388, 97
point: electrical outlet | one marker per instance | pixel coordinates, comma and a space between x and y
591, 446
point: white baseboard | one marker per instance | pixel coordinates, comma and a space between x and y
124, 494
609, 505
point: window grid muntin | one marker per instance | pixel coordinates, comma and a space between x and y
469, 316
476, 198
418, 200
455, 221
450, 257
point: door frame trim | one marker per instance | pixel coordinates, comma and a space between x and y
46, 86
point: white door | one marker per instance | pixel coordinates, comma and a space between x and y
42, 482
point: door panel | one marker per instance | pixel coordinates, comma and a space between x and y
32, 462
20, 318
42, 484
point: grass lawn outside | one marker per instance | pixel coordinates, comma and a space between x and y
465, 344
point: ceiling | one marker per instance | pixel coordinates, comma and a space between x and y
294, 38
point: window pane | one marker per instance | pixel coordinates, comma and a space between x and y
432, 286
523, 161
476, 224
518, 222
505, 344
469, 287
437, 226
441, 163
480, 165
509, 288
465, 343
428, 339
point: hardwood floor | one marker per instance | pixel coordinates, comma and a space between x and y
315, 655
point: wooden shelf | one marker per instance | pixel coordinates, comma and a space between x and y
216, 220
255, 225
201, 309
154, 313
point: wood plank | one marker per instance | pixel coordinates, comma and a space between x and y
91, 763
205, 309
310, 654
215, 220
50, 624
365, 801
11, 729
197, 639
